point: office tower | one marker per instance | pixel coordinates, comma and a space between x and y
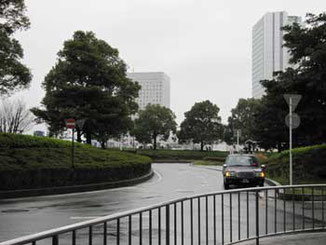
268, 53
155, 88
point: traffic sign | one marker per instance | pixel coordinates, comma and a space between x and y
295, 100
295, 120
70, 123
80, 123
292, 120
237, 132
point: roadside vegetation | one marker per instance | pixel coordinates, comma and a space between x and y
218, 156
308, 165
208, 163
36, 162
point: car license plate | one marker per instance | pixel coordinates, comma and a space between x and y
245, 181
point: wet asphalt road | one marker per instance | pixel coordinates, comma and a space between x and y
24, 216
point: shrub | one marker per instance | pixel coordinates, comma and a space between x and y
35, 162
216, 159
309, 165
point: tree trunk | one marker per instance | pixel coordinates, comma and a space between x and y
279, 148
103, 144
154, 140
78, 135
88, 137
202, 146
88, 132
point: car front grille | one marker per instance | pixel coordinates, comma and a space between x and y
246, 174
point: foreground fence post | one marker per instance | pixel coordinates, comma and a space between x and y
167, 224
55, 240
257, 218
179, 228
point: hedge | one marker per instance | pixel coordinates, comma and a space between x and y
182, 154
309, 165
36, 162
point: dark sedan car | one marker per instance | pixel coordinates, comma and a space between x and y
243, 170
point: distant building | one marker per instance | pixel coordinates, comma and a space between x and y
155, 88
268, 55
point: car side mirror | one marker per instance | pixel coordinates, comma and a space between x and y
263, 167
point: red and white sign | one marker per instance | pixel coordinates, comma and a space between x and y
70, 123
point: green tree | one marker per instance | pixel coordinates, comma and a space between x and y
228, 134
88, 82
202, 124
153, 122
270, 130
307, 47
13, 74
306, 44
242, 117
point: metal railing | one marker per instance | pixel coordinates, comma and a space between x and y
225, 217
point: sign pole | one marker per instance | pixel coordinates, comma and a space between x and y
71, 123
292, 120
290, 140
72, 148
238, 139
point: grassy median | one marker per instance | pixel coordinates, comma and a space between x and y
36, 162
309, 165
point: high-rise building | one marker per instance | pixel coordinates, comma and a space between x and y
155, 88
268, 53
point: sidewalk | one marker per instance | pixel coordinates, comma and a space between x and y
315, 238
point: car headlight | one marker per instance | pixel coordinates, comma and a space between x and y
230, 174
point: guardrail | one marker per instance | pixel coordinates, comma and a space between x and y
225, 217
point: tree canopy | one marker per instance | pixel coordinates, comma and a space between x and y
202, 124
307, 47
12, 16
242, 117
13, 74
153, 122
14, 117
88, 82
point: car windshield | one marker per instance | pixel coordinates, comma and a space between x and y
242, 161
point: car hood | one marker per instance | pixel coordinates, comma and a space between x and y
243, 169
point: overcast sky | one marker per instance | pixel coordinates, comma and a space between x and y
204, 46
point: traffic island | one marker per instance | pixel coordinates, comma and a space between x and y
74, 188
40, 166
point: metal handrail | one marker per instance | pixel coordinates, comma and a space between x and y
202, 210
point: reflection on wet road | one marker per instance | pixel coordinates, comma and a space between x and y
25, 216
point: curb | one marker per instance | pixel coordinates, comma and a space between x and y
170, 161
74, 188
272, 182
